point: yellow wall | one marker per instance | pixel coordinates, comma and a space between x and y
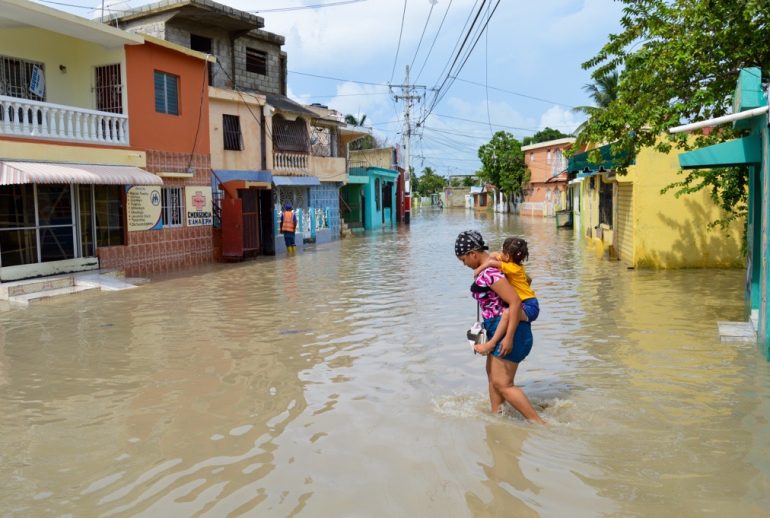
328, 169
223, 102
672, 232
15, 150
668, 232
73, 87
382, 157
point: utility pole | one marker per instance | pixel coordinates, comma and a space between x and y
408, 95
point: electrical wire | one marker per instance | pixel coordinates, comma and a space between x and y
434, 42
336, 78
275, 10
486, 75
419, 43
514, 93
440, 94
398, 47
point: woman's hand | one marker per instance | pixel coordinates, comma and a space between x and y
506, 345
509, 295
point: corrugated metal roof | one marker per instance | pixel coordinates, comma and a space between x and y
12, 173
283, 103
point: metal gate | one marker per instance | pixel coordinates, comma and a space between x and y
251, 238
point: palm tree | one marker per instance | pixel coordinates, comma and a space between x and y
603, 91
353, 121
367, 142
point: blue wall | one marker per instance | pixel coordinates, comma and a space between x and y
327, 195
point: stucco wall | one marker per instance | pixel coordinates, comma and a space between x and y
673, 232
152, 130
324, 196
225, 103
72, 86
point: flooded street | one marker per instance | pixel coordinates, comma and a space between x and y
339, 383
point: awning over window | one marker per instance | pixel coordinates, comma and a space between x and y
296, 181
228, 175
607, 160
12, 173
742, 151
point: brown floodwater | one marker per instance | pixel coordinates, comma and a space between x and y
339, 383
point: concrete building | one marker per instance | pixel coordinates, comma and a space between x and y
82, 106
545, 193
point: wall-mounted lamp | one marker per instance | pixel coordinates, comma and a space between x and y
63, 69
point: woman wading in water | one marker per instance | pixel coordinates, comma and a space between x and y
493, 293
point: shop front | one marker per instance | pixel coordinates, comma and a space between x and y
55, 217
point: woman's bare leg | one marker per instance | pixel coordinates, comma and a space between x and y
495, 398
502, 373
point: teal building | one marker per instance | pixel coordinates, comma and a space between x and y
368, 200
750, 116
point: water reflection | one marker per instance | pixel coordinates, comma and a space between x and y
339, 382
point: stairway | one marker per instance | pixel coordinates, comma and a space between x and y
30, 291
36, 290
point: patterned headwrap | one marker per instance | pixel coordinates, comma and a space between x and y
468, 241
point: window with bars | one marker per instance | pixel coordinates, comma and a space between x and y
231, 131
17, 76
290, 135
166, 93
108, 88
605, 202
256, 61
172, 206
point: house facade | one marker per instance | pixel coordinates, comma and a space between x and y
628, 217
369, 200
67, 162
545, 193
299, 145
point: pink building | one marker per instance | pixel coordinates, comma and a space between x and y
545, 194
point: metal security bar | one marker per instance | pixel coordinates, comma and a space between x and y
108, 88
231, 131
16, 76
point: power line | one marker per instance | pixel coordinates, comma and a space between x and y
398, 47
440, 95
486, 76
419, 43
274, 10
337, 78
434, 42
513, 93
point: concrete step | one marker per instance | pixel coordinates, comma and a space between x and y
736, 332
20, 288
29, 298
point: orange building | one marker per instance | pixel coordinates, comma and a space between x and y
545, 194
168, 108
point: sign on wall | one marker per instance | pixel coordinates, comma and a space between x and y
199, 207
143, 206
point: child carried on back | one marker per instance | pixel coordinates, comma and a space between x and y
509, 261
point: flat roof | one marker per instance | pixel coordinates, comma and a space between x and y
184, 50
547, 143
20, 13
201, 11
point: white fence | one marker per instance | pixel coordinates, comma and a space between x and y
26, 118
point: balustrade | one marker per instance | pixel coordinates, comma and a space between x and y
290, 162
26, 118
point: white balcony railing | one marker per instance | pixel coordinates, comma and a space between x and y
296, 162
26, 118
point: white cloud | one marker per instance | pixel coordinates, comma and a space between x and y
559, 118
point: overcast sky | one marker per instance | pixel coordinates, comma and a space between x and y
533, 49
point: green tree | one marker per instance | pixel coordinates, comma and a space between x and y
502, 163
544, 135
469, 181
414, 180
430, 182
679, 60
366, 142
455, 182
604, 91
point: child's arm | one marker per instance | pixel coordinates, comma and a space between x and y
492, 262
488, 346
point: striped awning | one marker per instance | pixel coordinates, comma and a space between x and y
12, 173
